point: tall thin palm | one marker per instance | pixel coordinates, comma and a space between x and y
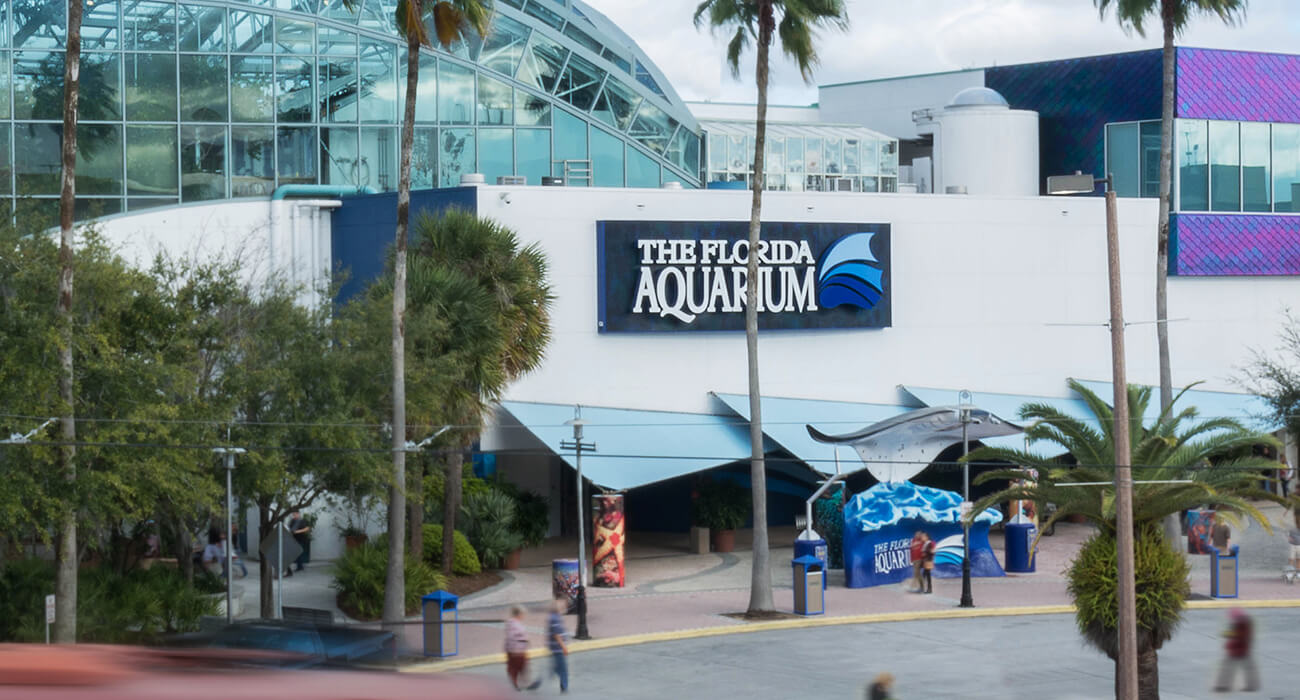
1173, 16
747, 20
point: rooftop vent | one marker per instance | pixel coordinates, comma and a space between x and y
473, 179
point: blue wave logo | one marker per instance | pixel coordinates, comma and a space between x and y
849, 273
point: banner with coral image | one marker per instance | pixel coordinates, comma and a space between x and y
608, 534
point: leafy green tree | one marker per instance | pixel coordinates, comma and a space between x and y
1276, 378
1181, 461
745, 21
1173, 16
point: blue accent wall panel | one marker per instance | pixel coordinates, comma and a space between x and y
361, 231
1076, 98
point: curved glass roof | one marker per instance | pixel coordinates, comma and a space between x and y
213, 99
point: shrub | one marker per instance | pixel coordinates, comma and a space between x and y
490, 518
464, 559
23, 587
359, 577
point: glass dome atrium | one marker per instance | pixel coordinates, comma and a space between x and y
215, 99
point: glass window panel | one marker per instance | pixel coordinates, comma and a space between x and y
540, 11
455, 94
142, 203
99, 159
533, 154
150, 86
251, 89
870, 157
794, 157
37, 160
737, 155
250, 32
888, 184
149, 26
852, 160
570, 141
812, 156
338, 153
643, 76
653, 127
424, 159
517, 4
1150, 159
7, 161
101, 88
294, 96
4, 39
426, 95
1255, 180
642, 170
378, 83
1193, 165
717, 152
496, 153
1225, 166
617, 60
252, 161
834, 156
337, 10
606, 159
296, 155
98, 25
541, 64
375, 15
531, 110
338, 86
379, 154
336, 41
38, 85
888, 161
870, 184
1286, 167
203, 163
617, 104
203, 88
579, 83
685, 149
583, 39
504, 46
93, 208
40, 24
202, 28
151, 167
495, 103
292, 36
456, 156
1123, 152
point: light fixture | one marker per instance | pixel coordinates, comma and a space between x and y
505, 197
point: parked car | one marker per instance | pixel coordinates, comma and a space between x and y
292, 645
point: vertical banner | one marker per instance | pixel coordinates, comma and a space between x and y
608, 534
564, 580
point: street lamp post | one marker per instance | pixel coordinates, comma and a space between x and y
229, 453
1076, 184
964, 414
578, 447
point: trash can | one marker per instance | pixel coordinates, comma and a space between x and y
441, 623
564, 581
1020, 538
809, 591
1223, 573
815, 547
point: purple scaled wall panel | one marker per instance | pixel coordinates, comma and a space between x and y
1219, 245
1238, 86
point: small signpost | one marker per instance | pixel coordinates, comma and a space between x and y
49, 615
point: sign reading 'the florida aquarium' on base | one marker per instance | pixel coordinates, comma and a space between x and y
688, 275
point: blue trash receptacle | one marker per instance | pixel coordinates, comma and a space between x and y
815, 547
1223, 572
441, 623
809, 591
1020, 538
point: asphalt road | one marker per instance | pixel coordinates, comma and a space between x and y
1038, 656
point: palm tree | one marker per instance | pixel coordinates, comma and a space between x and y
1174, 15
1179, 462
451, 21
747, 20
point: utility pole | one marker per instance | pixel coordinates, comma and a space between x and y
229, 453
578, 446
967, 601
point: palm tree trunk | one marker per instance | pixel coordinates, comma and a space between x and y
451, 490
760, 584
65, 585
1148, 675
395, 580
1162, 237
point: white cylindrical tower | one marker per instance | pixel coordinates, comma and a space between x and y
985, 147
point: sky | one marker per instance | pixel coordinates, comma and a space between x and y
889, 38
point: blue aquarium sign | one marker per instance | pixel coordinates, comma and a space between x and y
681, 275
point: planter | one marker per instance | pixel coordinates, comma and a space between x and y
354, 541
723, 540
699, 540
236, 602
511, 560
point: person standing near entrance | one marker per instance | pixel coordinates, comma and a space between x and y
917, 552
927, 561
299, 528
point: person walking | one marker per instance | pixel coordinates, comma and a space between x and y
927, 561
516, 648
555, 636
299, 528
1239, 637
917, 552
882, 688
1293, 539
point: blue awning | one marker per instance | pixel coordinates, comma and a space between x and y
1250, 410
635, 448
1008, 407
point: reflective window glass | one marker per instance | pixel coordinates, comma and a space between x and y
337, 10
455, 94
149, 26
617, 104
496, 155
292, 36
142, 203
294, 97
606, 159
95, 207
336, 41
653, 127
40, 24
643, 76
151, 167
1123, 153
531, 110
424, 159
98, 25
202, 28
250, 32
203, 163
570, 140
794, 157
150, 86
203, 88
579, 83
1193, 165
296, 155
99, 159
38, 85
834, 155
6, 162
888, 162
37, 161
338, 90
456, 156
717, 152
1286, 167
378, 15
504, 45
812, 156
583, 39
852, 161
252, 161
617, 60
517, 4
338, 154
1255, 161
541, 64
495, 102
737, 157
4, 38
1150, 159
378, 83
642, 170
426, 95
306, 6
379, 154
540, 11
684, 151
101, 87
871, 157
251, 89
533, 154
1225, 166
